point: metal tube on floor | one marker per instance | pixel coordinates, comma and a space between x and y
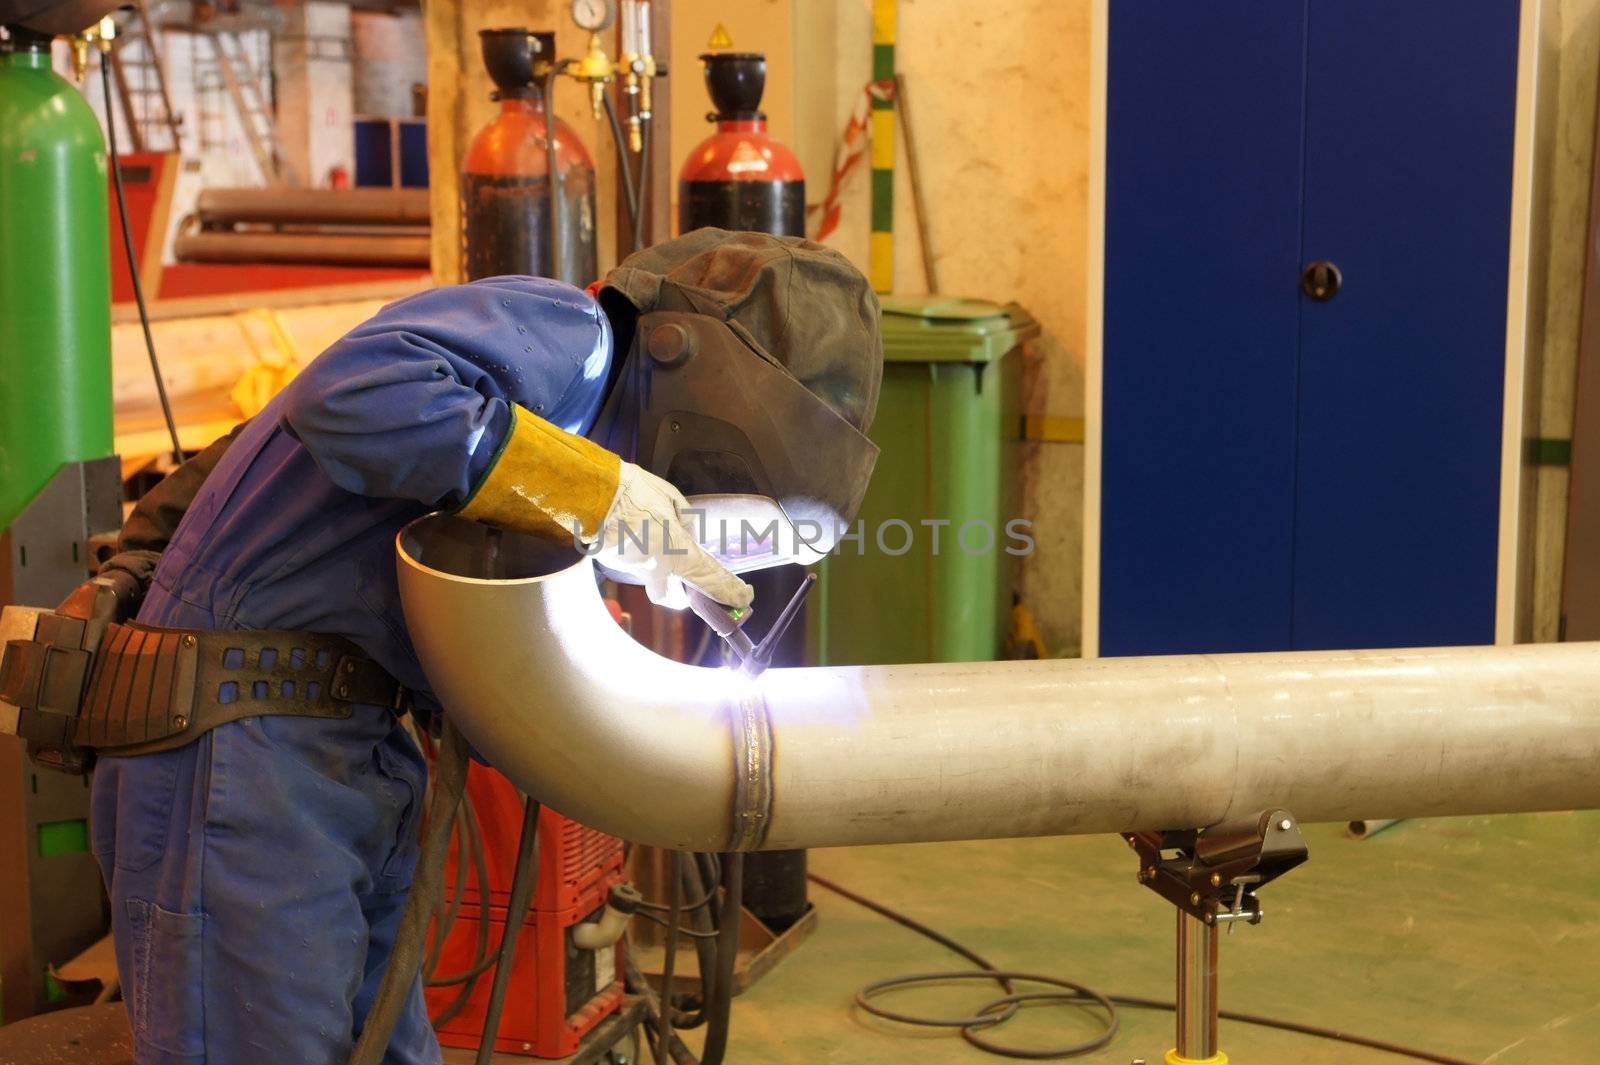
280, 206
365, 249
1197, 989
521, 650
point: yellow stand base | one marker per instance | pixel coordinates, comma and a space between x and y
1175, 1058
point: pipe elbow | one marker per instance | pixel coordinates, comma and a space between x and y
524, 657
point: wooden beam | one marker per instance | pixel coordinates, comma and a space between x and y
228, 303
155, 237
442, 22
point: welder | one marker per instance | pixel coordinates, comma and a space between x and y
258, 839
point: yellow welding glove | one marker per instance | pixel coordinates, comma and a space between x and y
546, 482
554, 484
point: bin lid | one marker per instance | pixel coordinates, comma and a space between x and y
950, 329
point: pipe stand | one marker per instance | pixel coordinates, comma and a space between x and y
1197, 994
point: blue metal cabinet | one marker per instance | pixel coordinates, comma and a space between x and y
1278, 471
391, 152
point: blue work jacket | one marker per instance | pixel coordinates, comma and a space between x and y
295, 527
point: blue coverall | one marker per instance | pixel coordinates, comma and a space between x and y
257, 875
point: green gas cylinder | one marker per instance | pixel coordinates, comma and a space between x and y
55, 276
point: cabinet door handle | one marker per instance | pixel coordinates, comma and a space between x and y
1321, 280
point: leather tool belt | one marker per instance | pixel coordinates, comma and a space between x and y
81, 686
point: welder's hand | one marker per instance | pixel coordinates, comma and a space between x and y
551, 483
648, 534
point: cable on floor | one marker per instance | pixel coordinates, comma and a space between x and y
1001, 1009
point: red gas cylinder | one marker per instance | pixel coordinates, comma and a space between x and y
505, 186
740, 177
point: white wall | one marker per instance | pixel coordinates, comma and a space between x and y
391, 55
312, 60
1000, 100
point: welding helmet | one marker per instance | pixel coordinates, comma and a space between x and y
748, 377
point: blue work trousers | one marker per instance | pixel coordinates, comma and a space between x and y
257, 878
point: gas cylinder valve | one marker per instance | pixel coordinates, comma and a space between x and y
596, 69
99, 36
637, 63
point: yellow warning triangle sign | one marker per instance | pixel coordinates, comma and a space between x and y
720, 38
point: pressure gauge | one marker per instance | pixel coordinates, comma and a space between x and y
593, 15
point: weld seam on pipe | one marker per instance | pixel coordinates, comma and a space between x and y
751, 723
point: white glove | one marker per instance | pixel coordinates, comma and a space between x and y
647, 535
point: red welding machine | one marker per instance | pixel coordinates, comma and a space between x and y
558, 992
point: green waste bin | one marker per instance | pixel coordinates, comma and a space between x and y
948, 426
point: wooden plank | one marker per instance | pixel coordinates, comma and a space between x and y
1533, 159
155, 237
229, 303
1094, 324
139, 446
442, 22
204, 361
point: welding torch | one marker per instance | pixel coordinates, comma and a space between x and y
748, 657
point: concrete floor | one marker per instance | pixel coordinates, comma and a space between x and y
1478, 937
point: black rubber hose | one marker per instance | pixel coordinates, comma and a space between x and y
106, 62
720, 1004
669, 961
471, 849
685, 907
930, 933
630, 193
696, 883
450, 778
522, 884
710, 867
638, 985
644, 184
483, 958
989, 1015
444, 922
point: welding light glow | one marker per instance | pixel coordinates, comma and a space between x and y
591, 640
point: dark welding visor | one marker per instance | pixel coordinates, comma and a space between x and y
699, 404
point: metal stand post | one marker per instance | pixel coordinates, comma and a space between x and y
1197, 994
1211, 876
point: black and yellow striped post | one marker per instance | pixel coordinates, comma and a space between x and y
881, 251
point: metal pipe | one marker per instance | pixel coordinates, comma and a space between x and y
1197, 989
281, 206
553, 693
365, 249
1363, 829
